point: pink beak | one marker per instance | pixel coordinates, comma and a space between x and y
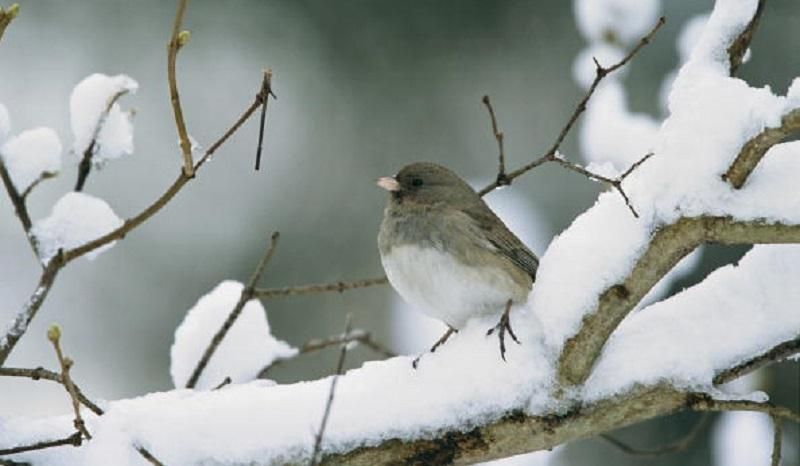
388, 183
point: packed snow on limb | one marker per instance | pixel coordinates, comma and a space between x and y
88, 104
30, 155
248, 347
76, 219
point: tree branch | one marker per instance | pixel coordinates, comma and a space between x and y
6, 16
340, 287
776, 354
75, 439
600, 73
739, 46
41, 373
667, 247
754, 150
248, 293
18, 200
498, 136
266, 91
177, 40
54, 335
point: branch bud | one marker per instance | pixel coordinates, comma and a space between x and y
183, 38
54, 333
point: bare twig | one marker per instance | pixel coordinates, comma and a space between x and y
502, 179
225, 381
177, 40
738, 47
674, 447
41, 373
19, 205
777, 440
248, 293
331, 394
776, 354
148, 456
6, 16
85, 166
54, 335
74, 439
23, 319
42, 177
266, 91
318, 288
600, 73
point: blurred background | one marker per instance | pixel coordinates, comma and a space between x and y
364, 87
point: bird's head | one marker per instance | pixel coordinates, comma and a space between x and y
427, 183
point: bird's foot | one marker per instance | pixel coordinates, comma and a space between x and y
450, 331
501, 328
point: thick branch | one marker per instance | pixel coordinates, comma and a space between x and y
739, 46
753, 150
248, 293
668, 246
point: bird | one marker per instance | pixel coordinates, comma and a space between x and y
448, 254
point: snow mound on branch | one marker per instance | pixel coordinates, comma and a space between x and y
743, 309
247, 348
88, 104
30, 155
76, 219
613, 21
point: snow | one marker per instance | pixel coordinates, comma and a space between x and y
248, 347
612, 21
30, 155
5, 123
687, 339
88, 104
76, 219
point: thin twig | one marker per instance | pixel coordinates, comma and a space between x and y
704, 402
673, 447
43, 176
54, 335
502, 179
19, 205
248, 293
331, 394
318, 288
41, 373
777, 440
600, 72
738, 47
149, 456
85, 166
74, 439
176, 41
6, 16
266, 91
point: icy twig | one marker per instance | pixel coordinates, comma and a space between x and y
248, 293
85, 165
177, 40
319, 288
331, 394
673, 447
54, 335
552, 153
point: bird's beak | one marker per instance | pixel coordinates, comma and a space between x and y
388, 183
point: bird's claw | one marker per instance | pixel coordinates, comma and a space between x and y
502, 327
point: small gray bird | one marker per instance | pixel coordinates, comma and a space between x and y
448, 254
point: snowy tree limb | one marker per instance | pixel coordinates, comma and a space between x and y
739, 46
668, 246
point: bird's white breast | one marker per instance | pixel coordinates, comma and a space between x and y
444, 288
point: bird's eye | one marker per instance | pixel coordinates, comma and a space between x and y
416, 182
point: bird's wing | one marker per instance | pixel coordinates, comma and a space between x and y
506, 242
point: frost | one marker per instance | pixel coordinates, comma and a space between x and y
30, 155
615, 20
88, 104
248, 347
5, 123
76, 219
